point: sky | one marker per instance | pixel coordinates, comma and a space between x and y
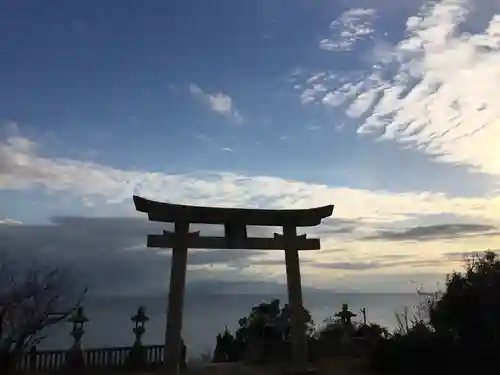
386, 110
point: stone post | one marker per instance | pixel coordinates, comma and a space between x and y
363, 311
32, 357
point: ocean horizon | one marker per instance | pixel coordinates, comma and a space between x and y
205, 315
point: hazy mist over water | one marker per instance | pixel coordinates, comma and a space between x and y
206, 315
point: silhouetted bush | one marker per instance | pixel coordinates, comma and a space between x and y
262, 336
462, 334
370, 331
411, 353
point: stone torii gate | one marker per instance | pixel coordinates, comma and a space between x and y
235, 221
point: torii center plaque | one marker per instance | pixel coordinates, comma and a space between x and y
235, 221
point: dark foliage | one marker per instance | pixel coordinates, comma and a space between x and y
264, 336
370, 331
462, 334
469, 310
265, 333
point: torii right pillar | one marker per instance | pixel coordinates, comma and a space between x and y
294, 286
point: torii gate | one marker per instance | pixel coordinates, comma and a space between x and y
235, 221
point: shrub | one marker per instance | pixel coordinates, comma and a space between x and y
462, 332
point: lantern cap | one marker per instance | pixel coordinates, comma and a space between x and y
345, 312
79, 316
141, 316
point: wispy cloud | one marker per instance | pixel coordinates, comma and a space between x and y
310, 94
217, 102
443, 97
359, 266
313, 128
434, 91
383, 263
352, 26
203, 138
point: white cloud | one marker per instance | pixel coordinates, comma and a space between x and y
450, 79
294, 75
343, 93
8, 221
315, 77
203, 138
361, 104
22, 168
313, 127
311, 94
339, 127
217, 102
436, 90
352, 26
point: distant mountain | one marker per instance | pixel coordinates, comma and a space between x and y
234, 287
246, 287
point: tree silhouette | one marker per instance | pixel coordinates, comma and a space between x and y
31, 300
463, 331
267, 324
469, 309
226, 349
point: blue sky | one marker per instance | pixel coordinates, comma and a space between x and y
386, 111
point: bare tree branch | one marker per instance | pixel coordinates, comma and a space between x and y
33, 299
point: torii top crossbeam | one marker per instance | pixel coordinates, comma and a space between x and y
167, 212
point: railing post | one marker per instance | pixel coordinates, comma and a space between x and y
32, 359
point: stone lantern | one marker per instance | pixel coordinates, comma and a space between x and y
139, 319
137, 357
75, 355
345, 315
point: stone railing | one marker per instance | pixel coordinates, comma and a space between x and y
93, 359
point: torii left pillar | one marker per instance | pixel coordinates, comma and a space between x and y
294, 286
176, 298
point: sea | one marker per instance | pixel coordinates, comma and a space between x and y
205, 316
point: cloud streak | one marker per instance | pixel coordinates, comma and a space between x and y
393, 261
435, 232
464, 255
